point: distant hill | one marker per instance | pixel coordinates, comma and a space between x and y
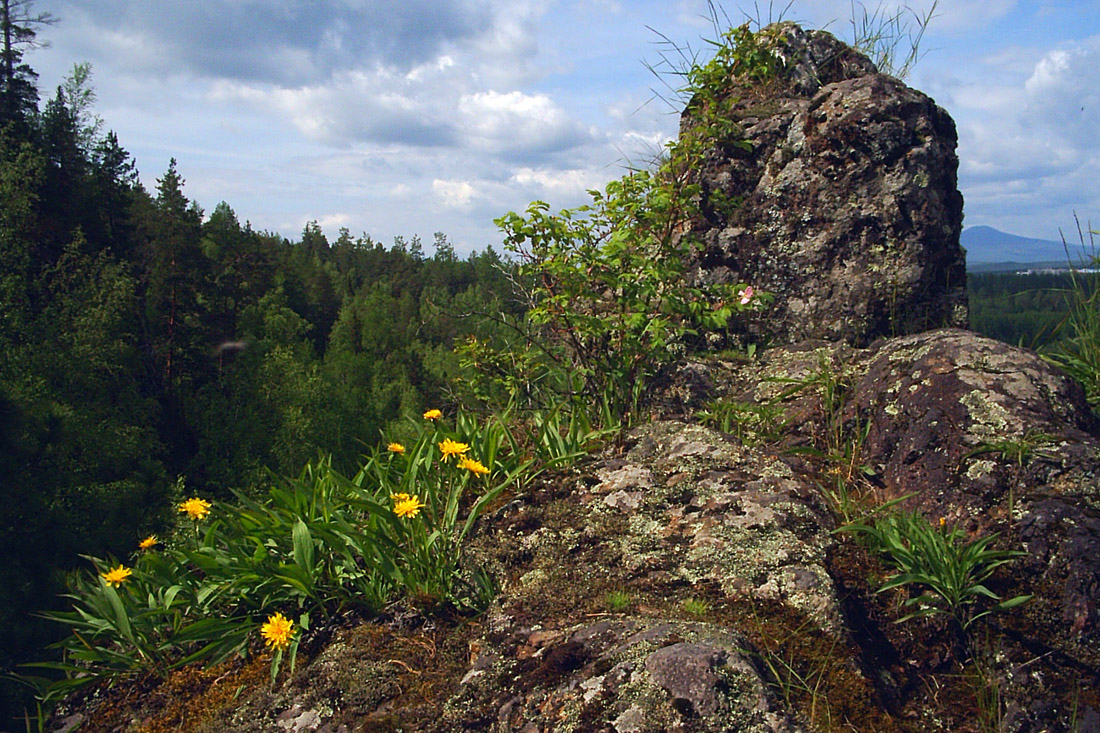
991, 249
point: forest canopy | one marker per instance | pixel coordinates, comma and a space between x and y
149, 347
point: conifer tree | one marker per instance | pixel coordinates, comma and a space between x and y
18, 81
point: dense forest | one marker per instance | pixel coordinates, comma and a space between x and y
148, 347
1025, 309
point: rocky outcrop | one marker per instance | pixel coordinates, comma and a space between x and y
697, 577
694, 580
987, 436
845, 204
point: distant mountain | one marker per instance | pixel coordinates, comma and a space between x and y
987, 246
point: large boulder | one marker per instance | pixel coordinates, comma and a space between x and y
844, 204
986, 436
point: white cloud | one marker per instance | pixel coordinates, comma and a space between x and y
1029, 139
514, 122
555, 185
453, 194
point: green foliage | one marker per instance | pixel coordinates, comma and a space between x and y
1025, 309
1021, 451
141, 340
316, 545
752, 58
618, 601
949, 571
1078, 352
608, 282
752, 423
695, 607
1056, 313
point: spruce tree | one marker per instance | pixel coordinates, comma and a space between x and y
18, 81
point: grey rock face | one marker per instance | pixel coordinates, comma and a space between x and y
995, 439
628, 676
988, 437
846, 207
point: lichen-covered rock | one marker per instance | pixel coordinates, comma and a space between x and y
845, 205
993, 438
986, 436
622, 675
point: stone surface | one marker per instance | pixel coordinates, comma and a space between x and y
624, 675
988, 437
846, 207
994, 439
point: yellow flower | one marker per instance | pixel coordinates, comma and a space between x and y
395, 448
433, 415
116, 576
196, 508
452, 448
406, 506
471, 465
148, 542
277, 631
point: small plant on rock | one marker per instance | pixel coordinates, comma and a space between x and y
618, 601
949, 571
751, 422
1020, 451
695, 607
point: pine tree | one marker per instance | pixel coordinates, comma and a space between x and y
18, 81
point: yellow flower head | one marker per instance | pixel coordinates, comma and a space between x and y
116, 576
395, 448
196, 508
277, 631
472, 466
406, 506
148, 542
450, 448
433, 415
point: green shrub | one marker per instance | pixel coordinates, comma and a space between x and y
949, 571
316, 545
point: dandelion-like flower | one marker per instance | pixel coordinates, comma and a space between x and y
471, 465
117, 575
450, 448
433, 415
277, 631
395, 448
195, 508
747, 295
406, 506
148, 542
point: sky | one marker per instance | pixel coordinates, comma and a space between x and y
411, 117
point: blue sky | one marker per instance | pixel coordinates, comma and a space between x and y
408, 117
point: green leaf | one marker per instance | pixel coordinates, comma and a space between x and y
303, 546
1013, 602
121, 619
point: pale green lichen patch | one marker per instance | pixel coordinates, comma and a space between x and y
978, 469
989, 420
745, 529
